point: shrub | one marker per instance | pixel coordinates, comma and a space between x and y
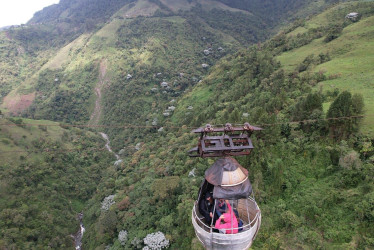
334, 32
122, 237
107, 202
155, 241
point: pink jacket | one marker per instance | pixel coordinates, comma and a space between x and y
228, 224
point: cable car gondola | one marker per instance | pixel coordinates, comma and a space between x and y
226, 181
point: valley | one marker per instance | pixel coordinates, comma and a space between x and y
99, 98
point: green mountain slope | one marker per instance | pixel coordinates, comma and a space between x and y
177, 40
55, 36
87, 50
47, 174
139, 72
313, 178
351, 54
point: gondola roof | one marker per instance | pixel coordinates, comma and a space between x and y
229, 178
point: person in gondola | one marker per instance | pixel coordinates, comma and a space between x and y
227, 222
240, 222
206, 208
220, 207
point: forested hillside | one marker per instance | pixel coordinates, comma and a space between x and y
72, 37
146, 73
47, 174
319, 196
348, 48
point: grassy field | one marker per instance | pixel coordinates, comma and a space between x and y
194, 99
66, 54
143, 8
352, 62
21, 138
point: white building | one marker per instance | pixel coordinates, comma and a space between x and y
353, 16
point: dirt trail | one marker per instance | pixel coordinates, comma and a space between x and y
18, 103
95, 116
8, 35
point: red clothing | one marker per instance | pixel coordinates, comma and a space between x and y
228, 224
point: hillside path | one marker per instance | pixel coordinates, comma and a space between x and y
96, 114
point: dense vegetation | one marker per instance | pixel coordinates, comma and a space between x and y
82, 14
45, 184
59, 25
67, 103
175, 46
311, 170
306, 198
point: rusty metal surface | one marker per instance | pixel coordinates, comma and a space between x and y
227, 128
232, 141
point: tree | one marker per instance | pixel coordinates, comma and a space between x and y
334, 32
342, 114
358, 103
309, 108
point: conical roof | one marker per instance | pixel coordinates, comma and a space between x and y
229, 178
226, 172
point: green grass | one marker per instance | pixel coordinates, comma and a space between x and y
199, 95
142, 7
176, 19
290, 60
17, 138
352, 61
326, 106
176, 5
77, 205
326, 17
66, 54
298, 30
109, 30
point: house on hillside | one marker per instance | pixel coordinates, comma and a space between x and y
354, 16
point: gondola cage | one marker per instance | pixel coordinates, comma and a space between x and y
226, 179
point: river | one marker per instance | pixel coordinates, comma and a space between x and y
79, 235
